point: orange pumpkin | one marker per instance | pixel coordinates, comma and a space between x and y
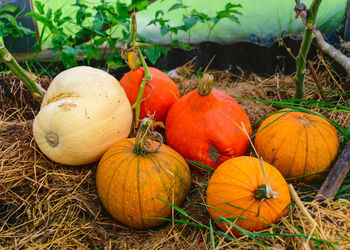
237, 192
297, 144
205, 126
130, 178
159, 95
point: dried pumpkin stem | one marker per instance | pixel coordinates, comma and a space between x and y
205, 85
263, 191
141, 140
6, 57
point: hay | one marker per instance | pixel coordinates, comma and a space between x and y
44, 204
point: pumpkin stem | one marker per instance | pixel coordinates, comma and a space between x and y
269, 191
141, 141
205, 85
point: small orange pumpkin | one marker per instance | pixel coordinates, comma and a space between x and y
130, 177
205, 125
297, 144
237, 192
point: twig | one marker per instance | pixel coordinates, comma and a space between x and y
317, 81
336, 177
315, 227
343, 60
300, 204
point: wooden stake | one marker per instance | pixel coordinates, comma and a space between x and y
336, 177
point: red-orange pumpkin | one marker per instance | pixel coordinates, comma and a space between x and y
130, 180
297, 144
237, 192
159, 95
205, 126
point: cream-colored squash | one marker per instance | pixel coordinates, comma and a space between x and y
83, 113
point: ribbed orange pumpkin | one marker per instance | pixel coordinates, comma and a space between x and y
159, 95
297, 144
237, 192
204, 126
129, 180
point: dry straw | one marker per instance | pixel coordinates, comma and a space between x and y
44, 204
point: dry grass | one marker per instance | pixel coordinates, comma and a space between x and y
44, 204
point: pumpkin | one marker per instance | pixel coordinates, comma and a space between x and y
159, 94
237, 192
205, 126
131, 180
83, 113
297, 144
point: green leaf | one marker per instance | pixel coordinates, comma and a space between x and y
153, 54
190, 21
39, 7
97, 24
57, 14
177, 6
80, 16
8, 8
139, 5
46, 22
89, 50
59, 22
164, 30
10, 18
115, 64
68, 50
158, 13
49, 14
122, 10
99, 41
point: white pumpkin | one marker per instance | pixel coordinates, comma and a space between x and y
83, 113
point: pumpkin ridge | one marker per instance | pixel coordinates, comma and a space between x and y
324, 139
234, 213
176, 159
242, 198
162, 180
265, 127
293, 160
125, 180
249, 210
307, 149
282, 140
231, 185
271, 206
115, 153
111, 180
138, 191
242, 172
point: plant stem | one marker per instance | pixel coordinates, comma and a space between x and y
145, 79
309, 22
17, 70
142, 137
